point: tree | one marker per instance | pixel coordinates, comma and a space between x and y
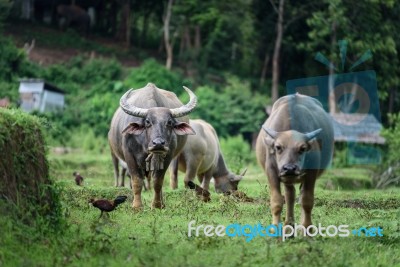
365, 25
277, 50
124, 27
278, 26
167, 40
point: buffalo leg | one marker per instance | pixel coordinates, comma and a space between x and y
116, 167
276, 199
137, 184
158, 183
307, 200
137, 181
174, 173
147, 182
192, 167
189, 175
290, 193
206, 180
123, 173
200, 177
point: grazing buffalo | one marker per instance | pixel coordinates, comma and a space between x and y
74, 16
202, 156
147, 132
295, 145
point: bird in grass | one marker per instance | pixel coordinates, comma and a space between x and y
78, 178
107, 205
200, 192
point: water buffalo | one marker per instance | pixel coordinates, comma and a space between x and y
295, 145
202, 156
147, 131
74, 16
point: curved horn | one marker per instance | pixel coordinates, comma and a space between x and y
236, 178
186, 109
131, 109
312, 134
244, 172
270, 132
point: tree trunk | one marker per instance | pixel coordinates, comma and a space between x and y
123, 32
197, 40
182, 45
144, 29
264, 68
187, 37
332, 100
277, 49
167, 41
128, 23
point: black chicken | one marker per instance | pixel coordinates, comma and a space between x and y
107, 205
78, 178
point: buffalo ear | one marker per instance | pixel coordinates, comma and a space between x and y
134, 128
270, 144
313, 141
183, 128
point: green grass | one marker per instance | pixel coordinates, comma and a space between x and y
159, 237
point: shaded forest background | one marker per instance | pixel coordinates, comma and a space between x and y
237, 56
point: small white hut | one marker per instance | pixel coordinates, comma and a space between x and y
36, 94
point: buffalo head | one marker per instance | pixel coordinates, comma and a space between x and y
229, 182
289, 149
158, 123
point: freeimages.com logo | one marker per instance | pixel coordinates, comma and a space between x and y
279, 231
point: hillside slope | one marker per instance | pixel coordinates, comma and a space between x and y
46, 45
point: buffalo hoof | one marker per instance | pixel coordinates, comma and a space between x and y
137, 206
287, 231
205, 198
157, 205
312, 231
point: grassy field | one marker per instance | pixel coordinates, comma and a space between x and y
160, 237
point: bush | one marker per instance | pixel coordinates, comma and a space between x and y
93, 92
9, 90
340, 159
237, 153
86, 139
153, 72
233, 110
24, 170
389, 174
5, 6
83, 74
392, 136
13, 63
97, 112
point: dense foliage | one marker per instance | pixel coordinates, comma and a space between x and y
223, 51
232, 109
154, 72
26, 190
392, 135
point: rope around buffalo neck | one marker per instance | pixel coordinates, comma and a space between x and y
155, 162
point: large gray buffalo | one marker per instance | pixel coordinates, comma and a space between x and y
295, 145
202, 156
147, 131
